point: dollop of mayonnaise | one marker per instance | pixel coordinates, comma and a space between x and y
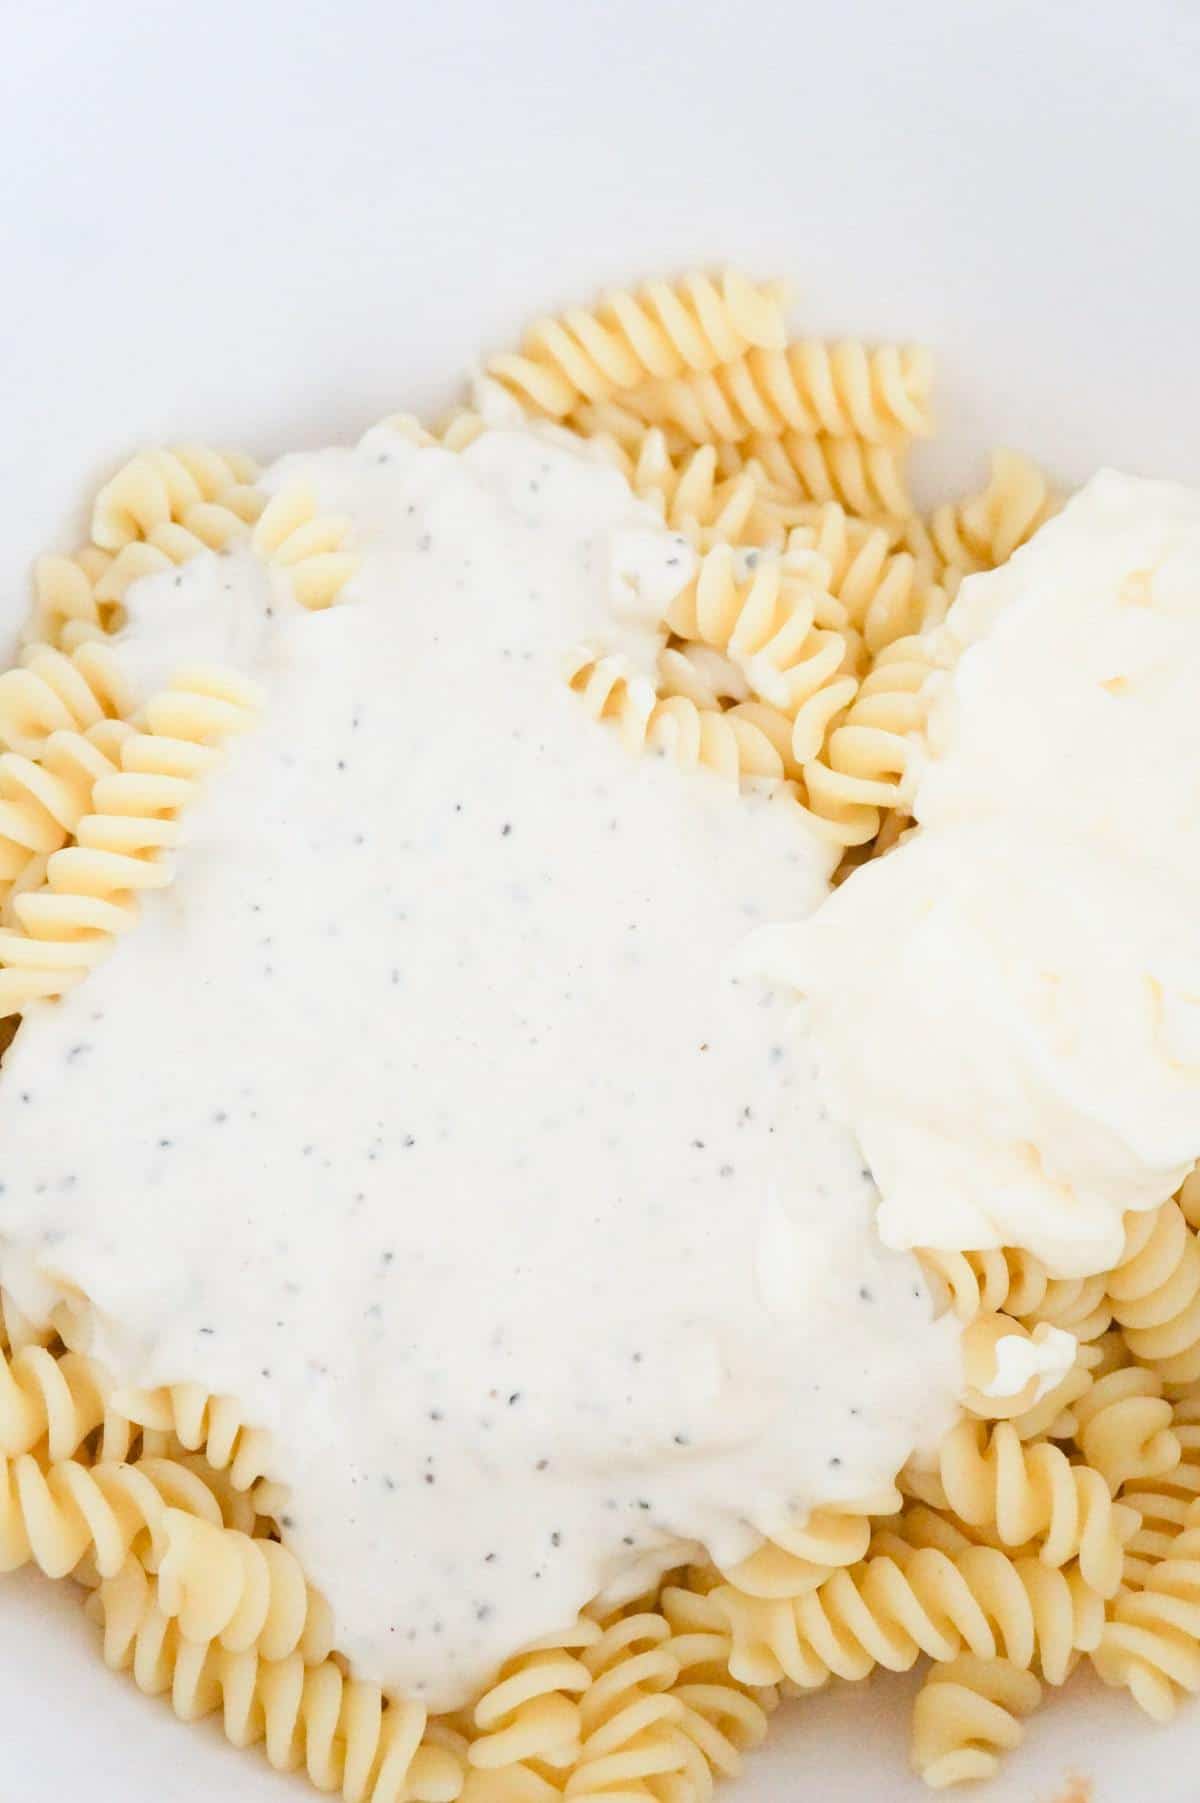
1008, 1005
420, 1115
1045, 1355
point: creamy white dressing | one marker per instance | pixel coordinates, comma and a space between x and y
1008, 1004
1047, 1354
425, 1113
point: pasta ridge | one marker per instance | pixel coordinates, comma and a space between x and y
968, 1712
810, 388
91, 886
661, 330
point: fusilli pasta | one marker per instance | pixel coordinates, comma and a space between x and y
343, 1732
204, 1423
967, 1713
1044, 1530
1151, 1640
91, 886
310, 547
661, 331
768, 625
868, 479
990, 1479
890, 1609
221, 1584
842, 391
1154, 1293
692, 496
52, 1514
985, 529
189, 486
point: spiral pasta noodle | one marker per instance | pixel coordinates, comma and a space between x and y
53, 1514
1165, 1499
91, 886
1154, 1293
308, 546
531, 1711
796, 664
187, 485
341, 1731
984, 1282
223, 1585
655, 1705
967, 1714
793, 1562
42, 800
160, 509
661, 331
56, 1398
50, 691
1151, 1640
983, 531
868, 479
767, 625
731, 743
808, 390
1034, 1494
890, 1609
1124, 1428
691, 495
864, 763
66, 612
205, 1423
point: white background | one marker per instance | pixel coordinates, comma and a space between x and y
264, 224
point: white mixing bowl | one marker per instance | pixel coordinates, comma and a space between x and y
267, 223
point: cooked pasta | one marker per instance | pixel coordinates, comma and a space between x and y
1034, 1494
766, 624
309, 547
52, 1514
222, 1584
731, 743
986, 528
888, 1610
42, 801
864, 761
51, 691
983, 1282
181, 486
1151, 1640
91, 886
211, 1425
868, 479
1047, 1528
1164, 1500
840, 391
343, 1732
692, 496
66, 612
59, 1398
792, 1563
1154, 1293
660, 331
1124, 1428
967, 1713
